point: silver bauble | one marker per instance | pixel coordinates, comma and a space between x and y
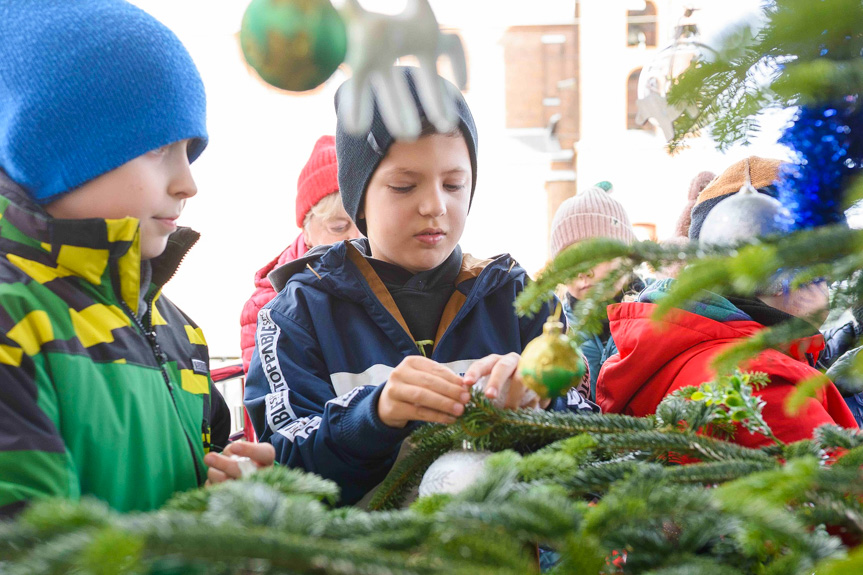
743, 216
453, 472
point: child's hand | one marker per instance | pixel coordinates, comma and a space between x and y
504, 382
223, 467
420, 389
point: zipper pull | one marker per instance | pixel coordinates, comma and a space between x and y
161, 356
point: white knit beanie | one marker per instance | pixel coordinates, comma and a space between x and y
592, 213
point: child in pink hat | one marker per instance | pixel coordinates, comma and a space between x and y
593, 213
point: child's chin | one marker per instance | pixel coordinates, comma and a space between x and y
428, 260
578, 294
153, 249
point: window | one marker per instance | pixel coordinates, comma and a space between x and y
641, 26
645, 231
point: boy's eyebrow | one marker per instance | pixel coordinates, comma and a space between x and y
408, 172
402, 171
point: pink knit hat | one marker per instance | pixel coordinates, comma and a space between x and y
590, 214
319, 178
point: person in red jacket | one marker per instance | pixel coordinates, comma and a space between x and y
644, 371
323, 220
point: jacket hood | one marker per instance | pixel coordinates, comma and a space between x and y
104, 252
278, 275
294, 251
647, 347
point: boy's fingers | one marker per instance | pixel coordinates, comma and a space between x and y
422, 397
223, 464
263, 453
480, 368
454, 390
215, 476
430, 415
503, 378
260, 453
501, 373
529, 399
434, 368
515, 393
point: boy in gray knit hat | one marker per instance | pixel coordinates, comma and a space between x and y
369, 338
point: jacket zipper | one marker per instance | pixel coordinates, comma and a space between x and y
161, 360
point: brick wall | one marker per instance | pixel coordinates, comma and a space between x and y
541, 71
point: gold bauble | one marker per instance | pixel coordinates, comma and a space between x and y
551, 364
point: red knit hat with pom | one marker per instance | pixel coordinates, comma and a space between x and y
319, 178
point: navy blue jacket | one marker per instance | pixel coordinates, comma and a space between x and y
848, 383
332, 336
837, 341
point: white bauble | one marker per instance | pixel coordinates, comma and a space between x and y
742, 216
453, 472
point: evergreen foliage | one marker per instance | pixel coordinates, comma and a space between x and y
604, 491
806, 52
607, 493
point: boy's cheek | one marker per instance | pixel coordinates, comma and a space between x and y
152, 244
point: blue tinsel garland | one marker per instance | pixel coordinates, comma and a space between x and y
827, 143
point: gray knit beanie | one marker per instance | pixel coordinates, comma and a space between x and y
359, 156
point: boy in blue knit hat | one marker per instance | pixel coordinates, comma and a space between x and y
370, 338
106, 389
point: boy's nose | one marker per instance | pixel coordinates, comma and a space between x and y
434, 203
182, 183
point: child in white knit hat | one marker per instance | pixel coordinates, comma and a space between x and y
593, 213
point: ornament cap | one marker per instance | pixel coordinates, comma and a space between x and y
747, 188
552, 326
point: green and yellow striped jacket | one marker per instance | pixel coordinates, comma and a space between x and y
93, 399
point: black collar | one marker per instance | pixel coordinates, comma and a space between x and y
395, 276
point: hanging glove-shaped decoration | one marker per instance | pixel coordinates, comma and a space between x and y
297, 45
375, 43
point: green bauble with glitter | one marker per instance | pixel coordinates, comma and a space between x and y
551, 364
293, 44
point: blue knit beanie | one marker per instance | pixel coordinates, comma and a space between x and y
359, 156
86, 86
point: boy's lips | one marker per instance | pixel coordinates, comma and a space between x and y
169, 222
431, 236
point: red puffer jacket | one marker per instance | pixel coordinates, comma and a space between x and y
656, 358
264, 292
